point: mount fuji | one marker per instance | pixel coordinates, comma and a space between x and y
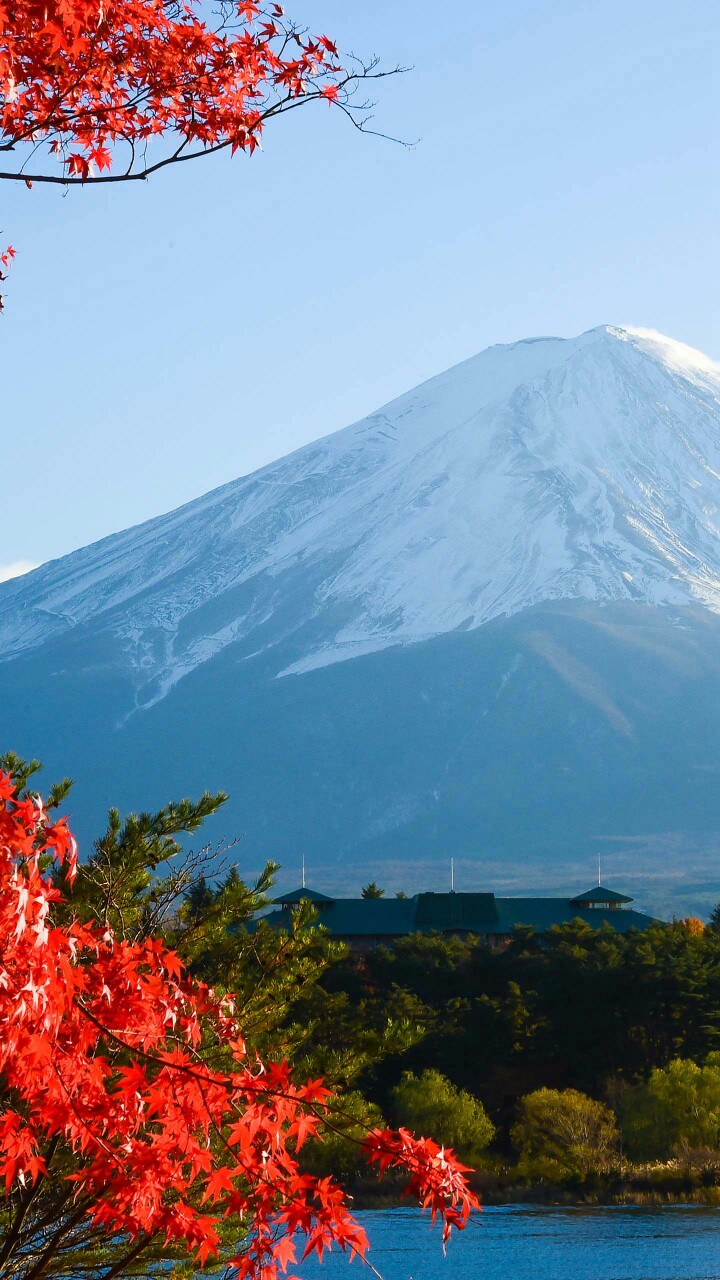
482, 622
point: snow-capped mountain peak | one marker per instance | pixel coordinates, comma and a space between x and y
677, 356
546, 469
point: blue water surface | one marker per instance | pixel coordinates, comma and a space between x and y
525, 1242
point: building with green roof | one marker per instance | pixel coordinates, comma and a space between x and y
367, 922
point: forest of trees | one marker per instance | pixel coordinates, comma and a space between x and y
556, 1056
557, 1059
583, 1061
573, 1008
560, 1056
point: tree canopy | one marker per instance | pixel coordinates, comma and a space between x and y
134, 1108
562, 1132
117, 90
430, 1103
678, 1106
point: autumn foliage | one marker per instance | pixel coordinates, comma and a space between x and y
6, 258
109, 1051
133, 85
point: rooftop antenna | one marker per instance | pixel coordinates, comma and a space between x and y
452, 875
303, 871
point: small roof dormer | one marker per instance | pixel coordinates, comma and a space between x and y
297, 896
599, 896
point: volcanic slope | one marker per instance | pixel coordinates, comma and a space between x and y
483, 621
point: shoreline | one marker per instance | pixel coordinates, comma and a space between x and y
610, 1193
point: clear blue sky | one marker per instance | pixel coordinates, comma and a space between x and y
161, 339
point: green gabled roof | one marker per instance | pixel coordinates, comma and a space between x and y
480, 913
600, 894
544, 913
371, 917
301, 895
441, 911
423, 913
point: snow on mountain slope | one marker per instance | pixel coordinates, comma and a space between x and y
548, 469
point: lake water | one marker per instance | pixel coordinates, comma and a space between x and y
522, 1242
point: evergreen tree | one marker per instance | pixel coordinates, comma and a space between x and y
198, 897
372, 890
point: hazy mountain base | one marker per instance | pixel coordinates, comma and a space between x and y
523, 749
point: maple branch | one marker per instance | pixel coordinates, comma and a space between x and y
49, 1253
282, 1192
95, 180
24, 1207
71, 1102
220, 1082
58, 1201
346, 86
320, 1112
129, 1258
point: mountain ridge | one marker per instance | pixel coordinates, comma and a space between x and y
390, 499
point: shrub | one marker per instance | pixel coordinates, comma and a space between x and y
678, 1107
431, 1103
564, 1134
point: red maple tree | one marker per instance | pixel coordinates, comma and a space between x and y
148, 83
102, 1055
115, 90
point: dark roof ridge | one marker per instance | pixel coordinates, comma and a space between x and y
599, 893
302, 895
